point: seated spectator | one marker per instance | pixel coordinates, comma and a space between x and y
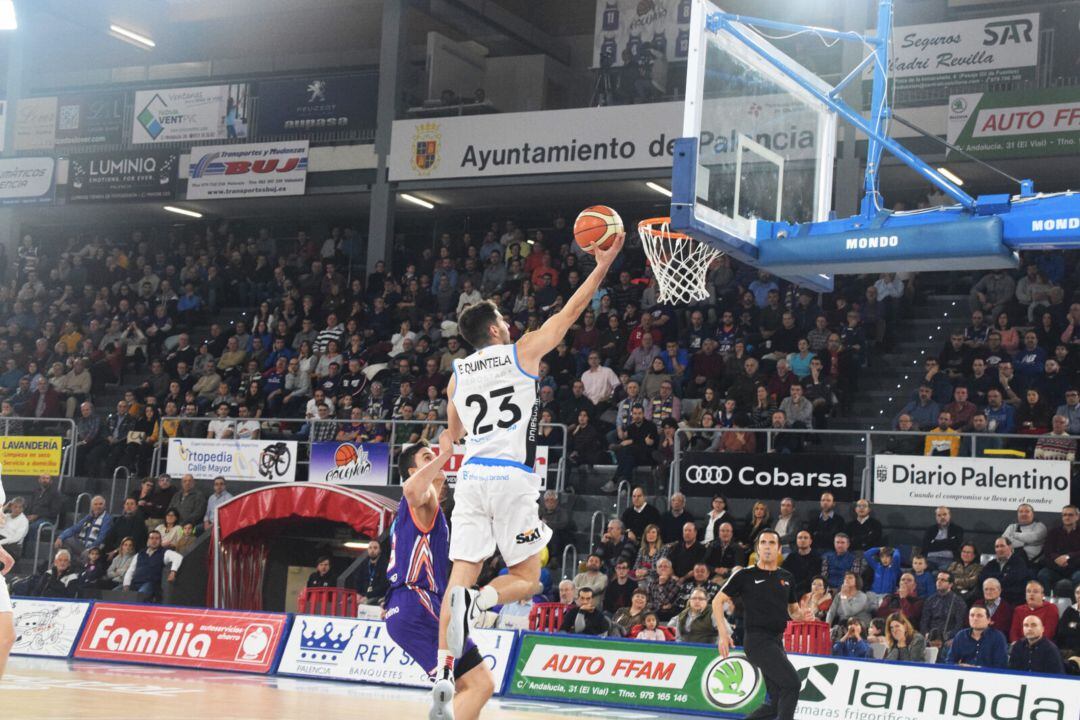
121, 561
44, 505
903, 643
620, 589
851, 643
189, 503
906, 441
784, 443
1009, 569
1034, 604
1071, 410
156, 500
13, 525
145, 572
942, 440
905, 600
966, 573
1035, 652
1061, 555
615, 546
826, 524
941, 542
864, 531
90, 531
663, 591
370, 577
92, 576
1027, 533
639, 515
1000, 415
636, 444
923, 411
1057, 444
1034, 416
594, 578
944, 610
673, 520
1000, 611
695, 624
1068, 635
886, 564
838, 562
627, 617
219, 496
651, 550
723, 554
850, 602
979, 645
817, 600
650, 629
170, 530
786, 525
687, 553
56, 582
700, 579
584, 618
322, 578
758, 521
585, 444
129, 524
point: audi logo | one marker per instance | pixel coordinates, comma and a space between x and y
709, 474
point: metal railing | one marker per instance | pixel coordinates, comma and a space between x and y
41, 529
78, 503
126, 473
569, 561
619, 502
595, 535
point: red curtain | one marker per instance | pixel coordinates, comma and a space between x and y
243, 571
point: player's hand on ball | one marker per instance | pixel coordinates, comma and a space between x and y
723, 646
606, 256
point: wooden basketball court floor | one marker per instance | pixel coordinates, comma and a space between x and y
40, 689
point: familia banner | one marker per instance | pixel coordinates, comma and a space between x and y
1016, 124
986, 49
333, 102
977, 483
30, 455
211, 112
362, 651
241, 460
624, 28
91, 119
47, 628
692, 678
140, 175
346, 463
593, 139
183, 637
252, 170
801, 477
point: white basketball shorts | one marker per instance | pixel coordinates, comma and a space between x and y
5, 599
495, 506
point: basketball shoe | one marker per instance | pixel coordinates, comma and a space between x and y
463, 615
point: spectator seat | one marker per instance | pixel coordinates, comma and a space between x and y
546, 617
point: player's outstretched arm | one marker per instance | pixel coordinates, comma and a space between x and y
453, 421
417, 488
535, 345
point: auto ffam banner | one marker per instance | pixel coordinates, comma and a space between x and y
1016, 124
346, 463
976, 483
252, 170
241, 460
775, 476
47, 628
27, 181
184, 637
692, 678
362, 651
139, 175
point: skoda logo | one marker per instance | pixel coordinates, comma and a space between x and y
732, 684
709, 474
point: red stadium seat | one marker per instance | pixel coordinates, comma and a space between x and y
340, 602
809, 638
546, 617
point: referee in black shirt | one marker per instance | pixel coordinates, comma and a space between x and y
768, 599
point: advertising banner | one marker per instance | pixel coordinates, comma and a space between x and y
1016, 124
91, 119
299, 106
802, 477
986, 49
47, 628
977, 483
183, 637
139, 175
27, 181
35, 123
254, 170
362, 651
625, 27
692, 678
343, 463
30, 455
241, 460
212, 112
590, 139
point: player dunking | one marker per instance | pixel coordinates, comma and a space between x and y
768, 598
493, 405
417, 573
7, 614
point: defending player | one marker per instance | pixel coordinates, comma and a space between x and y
7, 613
417, 573
493, 405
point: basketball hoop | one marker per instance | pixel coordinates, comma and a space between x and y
679, 262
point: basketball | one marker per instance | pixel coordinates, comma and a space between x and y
596, 227
344, 455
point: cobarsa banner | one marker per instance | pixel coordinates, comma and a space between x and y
593, 139
977, 483
362, 651
1016, 124
244, 460
801, 477
251, 170
184, 637
47, 628
346, 463
692, 678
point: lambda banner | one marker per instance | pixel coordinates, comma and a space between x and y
185, 637
977, 483
774, 476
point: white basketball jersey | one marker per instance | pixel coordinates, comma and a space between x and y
496, 401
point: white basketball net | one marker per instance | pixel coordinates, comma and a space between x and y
679, 262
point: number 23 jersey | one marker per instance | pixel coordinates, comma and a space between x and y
496, 401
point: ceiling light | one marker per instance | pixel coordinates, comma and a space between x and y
950, 176
658, 188
356, 545
131, 36
417, 201
182, 211
7, 15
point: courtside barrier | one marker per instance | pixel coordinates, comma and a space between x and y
47, 628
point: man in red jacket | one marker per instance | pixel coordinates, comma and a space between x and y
1037, 606
1001, 612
